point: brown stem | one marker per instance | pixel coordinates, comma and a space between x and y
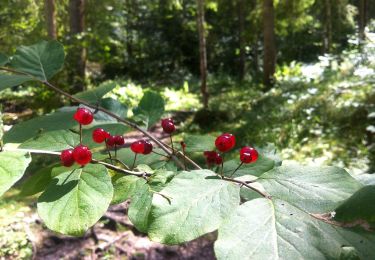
118, 169
119, 119
248, 186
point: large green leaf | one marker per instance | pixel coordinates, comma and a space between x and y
199, 202
160, 179
11, 80
315, 189
75, 200
114, 106
140, 206
265, 229
199, 143
138, 191
39, 181
41, 60
124, 187
12, 167
150, 108
96, 94
359, 209
52, 141
23, 131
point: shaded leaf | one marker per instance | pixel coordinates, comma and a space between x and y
75, 200
52, 141
199, 143
96, 94
12, 80
12, 167
151, 108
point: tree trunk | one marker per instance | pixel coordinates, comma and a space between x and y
78, 52
269, 45
327, 39
362, 20
202, 52
241, 38
51, 18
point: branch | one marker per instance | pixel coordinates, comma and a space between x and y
118, 169
267, 196
119, 119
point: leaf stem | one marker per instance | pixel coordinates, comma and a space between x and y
239, 166
135, 158
243, 183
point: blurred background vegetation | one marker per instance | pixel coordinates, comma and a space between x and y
295, 73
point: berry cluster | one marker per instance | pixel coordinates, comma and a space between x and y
225, 143
82, 154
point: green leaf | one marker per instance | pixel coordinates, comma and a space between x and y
96, 94
315, 189
358, 209
140, 206
52, 141
262, 165
124, 187
23, 131
3, 59
160, 179
12, 80
150, 108
199, 202
138, 191
39, 181
127, 156
199, 143
365, 179
12, 167
75, 200
265, 229
114, 106
41, 60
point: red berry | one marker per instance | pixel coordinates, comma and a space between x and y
99, 135
248, 154
82, 155
168, 125
138, 146
66, 157
83, 116
147, 147
225, 142
213, 157
111, 141
119, 140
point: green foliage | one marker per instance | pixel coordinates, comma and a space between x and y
96, 94
264, 229
287, 211
150, 108
198, 205
76, 199
13, 165
315, 189
52, 141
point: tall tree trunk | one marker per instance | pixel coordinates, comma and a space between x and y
202, 52
327, 38
269, 44
362, 20
50, 11
78, 52
241, 37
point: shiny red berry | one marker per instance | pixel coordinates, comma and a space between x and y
147, 147
168, 125
138, 146
213, 157
99, 135
119, 140
83, 116
111, 141
82, 155
66, 157
225, 142
248, 154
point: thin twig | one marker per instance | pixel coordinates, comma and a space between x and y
118, 169
98, 108
267, 196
